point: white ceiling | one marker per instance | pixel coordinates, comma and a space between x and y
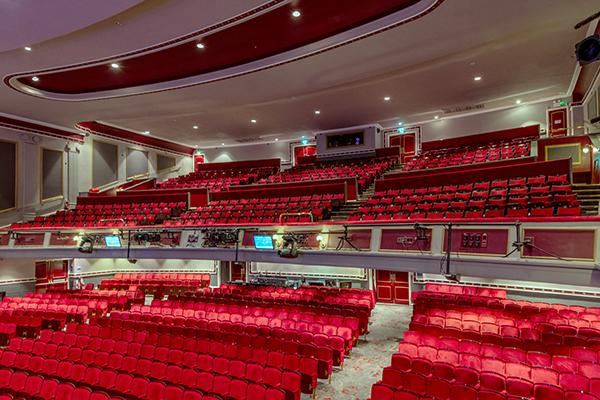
29, 22
522, 49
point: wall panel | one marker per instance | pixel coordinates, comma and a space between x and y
8, 177
105, 163
52, 174
136, 163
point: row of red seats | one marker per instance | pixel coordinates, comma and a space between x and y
518, 306
490, 200
108, 215
342, 296
296, 317
365, 170
73, 375
153, 283
493, 151
217, 180
466, 290
23, 385
454, 350
165, 324
144, 277
331, 314
149, 364
565, 321
219, 357
89, 294
313, 356
532, 182
457, 347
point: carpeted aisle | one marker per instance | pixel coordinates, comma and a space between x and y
369, 357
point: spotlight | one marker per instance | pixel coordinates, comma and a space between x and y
35, 79
453, 277
222, 238
290, 246
588, 50
86, 244
115, 66
322, 242
421, 232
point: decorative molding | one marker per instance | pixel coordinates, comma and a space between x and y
123, 135
39, 129
412, 11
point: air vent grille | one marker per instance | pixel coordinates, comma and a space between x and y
458, 109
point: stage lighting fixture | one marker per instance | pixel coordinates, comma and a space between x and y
588, 50
86, 244
147, 237
223, 238
421, 232
290, 246
453, 277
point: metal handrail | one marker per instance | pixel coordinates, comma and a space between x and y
296, 214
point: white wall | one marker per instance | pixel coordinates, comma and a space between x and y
446, 127
524, 115
86, 266
29, 173
249, 152
316, 271
184, 164
17, 276
77, 170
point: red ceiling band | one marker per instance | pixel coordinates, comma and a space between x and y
112, 132
268, 33
39, 129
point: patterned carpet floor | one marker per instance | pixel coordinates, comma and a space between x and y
369, 357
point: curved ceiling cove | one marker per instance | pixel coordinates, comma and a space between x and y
277, 27
112, 132
28, 22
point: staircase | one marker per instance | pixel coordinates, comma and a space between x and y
397, 168
588, 197
352, 205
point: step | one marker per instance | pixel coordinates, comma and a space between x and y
588, 202
585, 185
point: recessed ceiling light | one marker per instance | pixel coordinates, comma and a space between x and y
195, 126
146, 132
387, 98
437, 117
35, 78
200, 45
317, 112
477, 78
115, 66
222, 144
276, 139
296, 14
27, 48
253, 121
518, 101
400, 123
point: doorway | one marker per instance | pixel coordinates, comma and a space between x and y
392, 287
50, 275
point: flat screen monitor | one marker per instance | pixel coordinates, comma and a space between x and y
112, 241
263, 242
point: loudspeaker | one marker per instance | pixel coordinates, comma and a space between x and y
588, 50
